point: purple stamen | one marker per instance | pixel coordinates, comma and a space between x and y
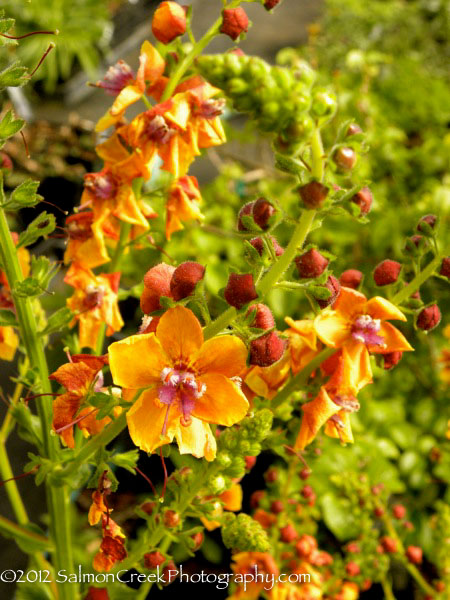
117, 77
365, 330
158, 131
182, 386
348, 403
209, 109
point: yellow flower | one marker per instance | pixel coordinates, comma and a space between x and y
189, 383
231, 500
8, 343
182, 204
303, 342
267, 381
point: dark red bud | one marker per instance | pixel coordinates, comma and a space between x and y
197, 538
445, 267
234, 22
266, 350
389, 544
399, 511
352, 569
313, 194
307, 492
311, 264
185, 278
351, 278
169, 572
246, 211
240, 290
334, 286
258, 245
363, 199
263, 316
345, 158
154, 559
414, 554
305, 473
391, 359
288, 534
269, 4
416, 239
156, 284
271, 475
429, 219
256, 498
429, 318
387, 272
379, 511
277, 507
250, 462
263, 212
353, 129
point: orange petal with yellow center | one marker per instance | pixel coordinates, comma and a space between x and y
232, 498
380, 308
180, 334
344, 433
222, 403
127, 96
75, 377
225, 354
394, 340
315, 415
196, 439
332, 328
137, 361
350, 303
146, 421
356, 366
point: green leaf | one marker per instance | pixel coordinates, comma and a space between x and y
58, 321
28, 288
25, 195
43, 224
10, 126
338, 517
15, 75
7, 319
126, 460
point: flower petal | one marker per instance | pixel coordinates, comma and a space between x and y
180, 334
137, 361
232, 498
332, 328
395, 340
222, 403
315, 415
75, 377
196, 439
225, 354
350, 303
344, 433
380, 308
356, 366
65, 408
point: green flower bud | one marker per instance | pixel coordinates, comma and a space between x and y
237, 86
243, 533
216, 485
223, 459
324, 104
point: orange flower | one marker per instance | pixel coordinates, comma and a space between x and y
303, 343
8, 343
112, 549
189, 383
267, 381
151, 68
86, 240
169, 21
231, 500
182, 204
94, 302
80, 377
250, 563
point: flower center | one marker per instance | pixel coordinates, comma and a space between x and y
208, 109
101, 185
158, 131
365, 330
94, 296
181, 385
348, 403
117, 77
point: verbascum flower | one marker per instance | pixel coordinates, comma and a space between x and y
303, 343
86, 243
267, 381
252, 562
188, 383
9, 342
182, 204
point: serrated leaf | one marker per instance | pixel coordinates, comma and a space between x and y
321, 293
14, 75
10, 126
7, 319
126, 460
42, 225
28, 288
25, 195
57, 321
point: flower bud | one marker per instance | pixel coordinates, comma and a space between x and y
154, 559
379, 511
311, 264
353, 129
170, 572
250, 462
234, 22
269, 4
169, 21
345, 158
351, 278
429, 318
171, 518
377, 489
197, 539
387, 272
149, 507
271, 475
334, 287
313, 194
240, 290
246, 211
399, 511
389, 544
308, 492
352, 569
5, 162
263, 316
256, 498
156, 284
363, 199
320, 558
305, 473
276, 507
288, 534
185, 278
408, 526
263, 211
258, 245
391, 359
95, 593
266, 350
414, 554
353, 548
305, 545
445, 267
426, 223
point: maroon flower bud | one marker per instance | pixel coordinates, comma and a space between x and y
250, 462
263, 316
307, 492
311, 264
399, 511
351, 278
276, 507
391, 359
389, 544
263, 211
171, 518
345, 158
352, 569
334, 286
266, 350
353, 129
288, 534
246, 211
363, 199
258, 245
240, 290
185, 278
169, 573
320, 558
256, 498
156, 284
377, 489
313, 194
271, 475
387, 272
445, 267
5, 162
429, 318
149, 507
408, 526
269, 4
379, 511
235, 22
429, 220
353, 548
154, 559
197, 539
305, 473
414, 554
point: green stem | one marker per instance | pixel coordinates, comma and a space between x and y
415, 284
299, 381
220, 323
18, 532
387, 589
198, 48
57, 498
317, 166
11, 487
